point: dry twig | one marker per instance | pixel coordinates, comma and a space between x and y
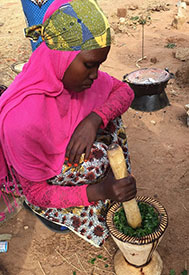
107, 251
140, 59
81, 263
184, 207
41, 268
68, 261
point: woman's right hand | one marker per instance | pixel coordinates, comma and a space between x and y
110, 188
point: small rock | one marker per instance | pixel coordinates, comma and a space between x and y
26, 227
153, 60
1, 24
121, 12
133, 7
122, 29
153, 122
173, 92
182, 54
122, 20
186, 107
112, 34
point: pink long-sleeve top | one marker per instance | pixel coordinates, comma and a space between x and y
54, 196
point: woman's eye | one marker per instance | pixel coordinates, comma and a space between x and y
88, 65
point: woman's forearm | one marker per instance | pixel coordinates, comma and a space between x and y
117, 103
45, 195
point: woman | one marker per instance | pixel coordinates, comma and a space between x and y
55, 127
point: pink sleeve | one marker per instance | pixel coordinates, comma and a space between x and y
54, 196
117, 103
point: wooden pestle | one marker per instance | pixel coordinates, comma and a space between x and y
118, 165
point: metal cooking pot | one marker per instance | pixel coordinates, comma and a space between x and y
148, 81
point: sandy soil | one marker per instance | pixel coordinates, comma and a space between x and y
158, 143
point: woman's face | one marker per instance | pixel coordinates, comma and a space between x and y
84, 69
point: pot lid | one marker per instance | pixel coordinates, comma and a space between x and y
147, 76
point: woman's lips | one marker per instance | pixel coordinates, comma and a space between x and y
87, 85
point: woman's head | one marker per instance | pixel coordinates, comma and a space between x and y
84, 69
76, 26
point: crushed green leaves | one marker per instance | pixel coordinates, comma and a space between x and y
150, 221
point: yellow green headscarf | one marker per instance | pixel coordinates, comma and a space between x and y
77, 25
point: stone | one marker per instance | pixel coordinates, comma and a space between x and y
122, 21
182, 54
153, 60
133, 7
112, 34
121, 12
153, 122
173, 92
181, 16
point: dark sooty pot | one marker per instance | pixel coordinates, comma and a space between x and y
148, 81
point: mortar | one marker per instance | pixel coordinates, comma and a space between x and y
137, 256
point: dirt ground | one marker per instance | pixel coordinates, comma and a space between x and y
158, 143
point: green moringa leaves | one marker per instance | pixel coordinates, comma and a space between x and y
150, 221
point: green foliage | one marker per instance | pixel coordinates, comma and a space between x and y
170, 45
150, 221
102, 259
141, 19
92, 261
134, 18
74, 272
172, 272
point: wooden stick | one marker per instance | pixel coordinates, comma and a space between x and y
118, 165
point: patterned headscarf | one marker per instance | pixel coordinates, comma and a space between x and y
78, 25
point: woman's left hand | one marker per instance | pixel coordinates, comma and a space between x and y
83, 137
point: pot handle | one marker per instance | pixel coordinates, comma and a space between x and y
171, 75
124, 78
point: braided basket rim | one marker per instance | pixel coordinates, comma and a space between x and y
150, 238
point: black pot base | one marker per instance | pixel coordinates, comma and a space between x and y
150, 103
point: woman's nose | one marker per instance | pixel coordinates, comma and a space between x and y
94, 73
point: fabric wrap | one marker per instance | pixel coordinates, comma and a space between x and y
78, 25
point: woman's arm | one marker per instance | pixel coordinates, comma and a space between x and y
45, 195
118, 102
84, 135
